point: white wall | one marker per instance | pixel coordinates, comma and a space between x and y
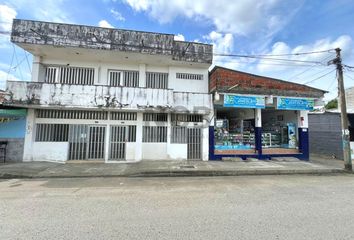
50, 151
154, 151
130, 148
101, 73
185, 85
177, 151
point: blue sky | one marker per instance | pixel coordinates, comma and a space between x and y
242, 27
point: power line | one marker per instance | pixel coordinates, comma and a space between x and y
275, 55
320, 76
311, 67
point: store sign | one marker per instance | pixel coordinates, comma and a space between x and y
295, 103
13, 112
352, 149
240, 101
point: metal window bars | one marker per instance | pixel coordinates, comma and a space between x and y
156, 80
69, 75
189, 76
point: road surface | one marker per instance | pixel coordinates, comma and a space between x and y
254, 207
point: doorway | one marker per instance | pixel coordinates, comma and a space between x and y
194, 144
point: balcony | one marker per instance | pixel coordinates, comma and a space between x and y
53, 95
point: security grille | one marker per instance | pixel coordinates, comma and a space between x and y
186, 118
156, 80
155, 117
71, 114
123, 78
69, 75
129, 116
178, 135
189, 76
52, 132
78, 141
131, 134
154, 134
96, 142
117, 148
194, 144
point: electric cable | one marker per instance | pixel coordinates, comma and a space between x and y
311, 81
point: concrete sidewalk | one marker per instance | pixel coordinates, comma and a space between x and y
277, 166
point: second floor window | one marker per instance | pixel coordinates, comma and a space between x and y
69, 75
156, 80
123, 78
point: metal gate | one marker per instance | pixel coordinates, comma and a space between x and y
86, 142
78, 139
194, 144
96, 142
117, 143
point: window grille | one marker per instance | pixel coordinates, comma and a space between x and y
189, 76
186, 118
131, 133
156, 80
69, 75
155, 117
123, 78
154, 134
178, 135
71, 114
123, 116
52, 132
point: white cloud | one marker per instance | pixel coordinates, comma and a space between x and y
179, 37
241, 17
104, 24
4, 76
222, 44
344, 42
48, 10
7, 14
117, 15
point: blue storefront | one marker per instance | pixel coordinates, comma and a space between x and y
259, 126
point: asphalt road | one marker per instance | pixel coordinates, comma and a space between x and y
257, 207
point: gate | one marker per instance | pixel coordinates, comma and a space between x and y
117, 148
78, 142
194, 144
96, 142
86, 142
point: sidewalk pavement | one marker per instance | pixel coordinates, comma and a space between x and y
276, 166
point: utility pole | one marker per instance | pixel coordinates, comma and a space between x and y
343, 112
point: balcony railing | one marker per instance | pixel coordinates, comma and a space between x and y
37, 94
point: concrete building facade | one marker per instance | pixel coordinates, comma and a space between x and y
112, 95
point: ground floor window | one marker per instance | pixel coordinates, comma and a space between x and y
279, 130
234, 131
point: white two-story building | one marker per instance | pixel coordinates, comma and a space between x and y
112, 95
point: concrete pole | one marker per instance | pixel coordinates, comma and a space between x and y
343, 111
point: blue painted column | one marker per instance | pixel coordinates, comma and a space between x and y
258, 140
303, 134
212, 144
304, 143
258, 131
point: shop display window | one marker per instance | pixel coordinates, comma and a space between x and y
279, 129
234, 131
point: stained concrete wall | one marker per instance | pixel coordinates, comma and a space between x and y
89, 37
325, 134
90, 96
14, 149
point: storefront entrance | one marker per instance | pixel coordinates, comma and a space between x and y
234, 131
279, 131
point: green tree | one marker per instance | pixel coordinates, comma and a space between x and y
332, 104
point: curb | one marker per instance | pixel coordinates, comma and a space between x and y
190, 173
